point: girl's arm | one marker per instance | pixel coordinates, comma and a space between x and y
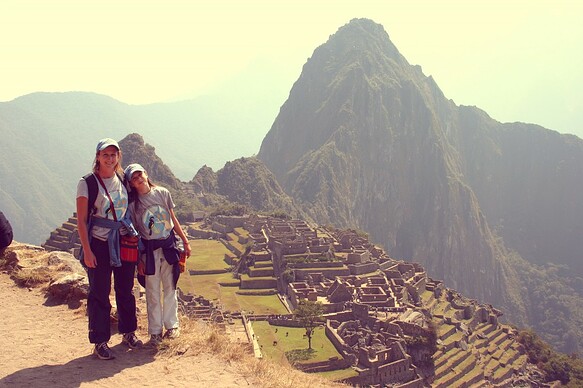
180, 232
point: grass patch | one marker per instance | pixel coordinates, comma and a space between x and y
441, 307
340, 374
293, 344
299, 355
205, 285
234, 241
259, 304
444, 329
207, 255
426, 296
242, 232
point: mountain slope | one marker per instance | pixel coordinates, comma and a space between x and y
244, 181
366, 140
369, 150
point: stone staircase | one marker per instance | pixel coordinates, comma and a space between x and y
64, 238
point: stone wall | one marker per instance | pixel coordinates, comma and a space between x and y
204, 234
224, 229
334, 363
359, 269
258, 283
324, 264
232, 221
301, 274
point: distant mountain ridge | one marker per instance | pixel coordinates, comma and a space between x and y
48, 143
367, 140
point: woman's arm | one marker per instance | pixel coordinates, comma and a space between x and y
88, 256
180, 232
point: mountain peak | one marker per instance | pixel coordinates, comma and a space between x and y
135, 150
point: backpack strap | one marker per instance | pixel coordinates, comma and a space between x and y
92, 192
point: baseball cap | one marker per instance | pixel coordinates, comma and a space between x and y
104, 143
129, 171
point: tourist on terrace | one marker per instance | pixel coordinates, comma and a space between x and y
100, 225
153, 214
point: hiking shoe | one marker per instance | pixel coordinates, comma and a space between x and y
155, 339
103, 351
131, 340
172, 333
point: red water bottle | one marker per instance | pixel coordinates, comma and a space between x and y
182, 261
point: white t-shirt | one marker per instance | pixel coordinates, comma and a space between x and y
151, 214
119, 196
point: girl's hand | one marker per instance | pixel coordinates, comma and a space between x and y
187, 248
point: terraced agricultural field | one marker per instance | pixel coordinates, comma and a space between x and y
208, 255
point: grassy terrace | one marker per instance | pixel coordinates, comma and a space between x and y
241, 231
234, 241
426, 296
445, 329
441, 307
295, 346
491, 366
464, 381
205, 285
457, 336
208, 255
467, 364
337, 375
259, 304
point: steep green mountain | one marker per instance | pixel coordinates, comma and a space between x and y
135, 150
367, 140
244, 181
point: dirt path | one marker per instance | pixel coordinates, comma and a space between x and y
48, 346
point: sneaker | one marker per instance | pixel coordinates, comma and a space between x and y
103, 351
156, 339
172, 333
131, 340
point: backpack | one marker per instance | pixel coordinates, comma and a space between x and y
6, 235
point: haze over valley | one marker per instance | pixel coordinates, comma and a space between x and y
365, 140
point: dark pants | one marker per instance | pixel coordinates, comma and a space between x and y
98, 305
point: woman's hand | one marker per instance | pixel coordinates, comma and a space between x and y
141, 268
89, 259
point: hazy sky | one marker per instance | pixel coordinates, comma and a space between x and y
517, 60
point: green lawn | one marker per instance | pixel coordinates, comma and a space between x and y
234, 241
336, 375
426, 296
207, 254
259, 304
294, 343
242, 231
205, 285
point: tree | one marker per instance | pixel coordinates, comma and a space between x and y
309, 314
